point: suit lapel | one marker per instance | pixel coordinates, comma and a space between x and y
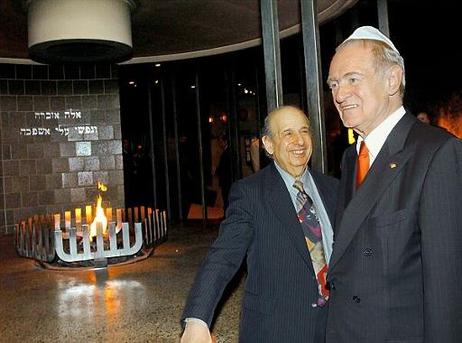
388, 164
326, 198
346, 184
283, 208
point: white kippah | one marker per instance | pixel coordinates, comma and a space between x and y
369, 32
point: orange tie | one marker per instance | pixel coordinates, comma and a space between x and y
362, 166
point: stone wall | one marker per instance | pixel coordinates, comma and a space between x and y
60, 133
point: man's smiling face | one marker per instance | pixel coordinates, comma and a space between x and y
359, 89
290, 140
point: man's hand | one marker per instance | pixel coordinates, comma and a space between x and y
196, 333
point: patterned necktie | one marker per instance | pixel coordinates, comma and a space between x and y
362, 164
313, 237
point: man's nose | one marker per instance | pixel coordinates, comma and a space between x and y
298, 138
341, 93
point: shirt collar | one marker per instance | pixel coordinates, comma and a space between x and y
289, 179
377, 137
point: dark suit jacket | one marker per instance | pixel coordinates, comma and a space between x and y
396, 268
261, 225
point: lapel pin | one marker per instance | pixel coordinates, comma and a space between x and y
393, 165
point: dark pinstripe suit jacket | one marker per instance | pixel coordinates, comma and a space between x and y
261, 225
396, 268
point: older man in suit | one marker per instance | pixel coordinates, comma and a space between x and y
279, 220
397, 262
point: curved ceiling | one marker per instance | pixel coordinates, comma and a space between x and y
178, 29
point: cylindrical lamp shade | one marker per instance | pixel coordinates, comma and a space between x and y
80, 30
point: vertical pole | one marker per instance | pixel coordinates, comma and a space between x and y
354, 21
271, 53
201, 150
234, 128
382, 12
177, 150
151, 137
164, 134
260, 116
338, 34
264, 160
313, 79
257, 99
301, 64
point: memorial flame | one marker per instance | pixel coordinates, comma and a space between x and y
100, 217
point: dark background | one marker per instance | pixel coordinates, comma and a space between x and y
427, 34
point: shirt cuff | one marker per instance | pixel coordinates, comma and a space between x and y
196, 320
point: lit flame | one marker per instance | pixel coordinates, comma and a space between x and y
450, 115
101, 186
451, 123
100, 216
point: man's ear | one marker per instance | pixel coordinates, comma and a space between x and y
268, 144
394, 78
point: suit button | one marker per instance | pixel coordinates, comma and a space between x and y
356, 299
367, 252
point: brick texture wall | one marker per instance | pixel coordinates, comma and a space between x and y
60, 134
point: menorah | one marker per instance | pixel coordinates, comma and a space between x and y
50, 239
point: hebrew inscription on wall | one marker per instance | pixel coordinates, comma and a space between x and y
49, 124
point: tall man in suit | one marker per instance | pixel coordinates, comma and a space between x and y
395, 273
267, 224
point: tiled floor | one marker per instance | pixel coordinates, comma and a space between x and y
139, 302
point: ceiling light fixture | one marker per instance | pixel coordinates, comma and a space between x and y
79, 30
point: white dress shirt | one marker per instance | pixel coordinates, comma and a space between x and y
377, 137
321, 213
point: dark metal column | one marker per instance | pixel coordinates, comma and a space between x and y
313, 78
233, 122
236, 162
260, 115
271, 53
264, 159
165, 150
151, 137
301, 65
201, 150
382, 11
338, 33
177, 150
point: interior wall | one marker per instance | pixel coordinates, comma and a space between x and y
60, 133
